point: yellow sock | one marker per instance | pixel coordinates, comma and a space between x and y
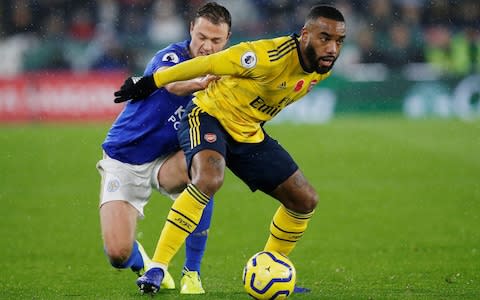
286, 229
182, 220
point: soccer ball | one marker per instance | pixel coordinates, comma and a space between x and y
269, 275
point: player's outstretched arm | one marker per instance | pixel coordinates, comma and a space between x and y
138, 88
226, 62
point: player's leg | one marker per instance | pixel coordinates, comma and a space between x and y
118, 221
172, 179
172, 175
203, 142
197, 241
291, 219
279, 171
296, 194
207, 170
281, 179
194, 249
118, 216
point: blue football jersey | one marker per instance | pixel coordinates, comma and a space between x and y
147, 129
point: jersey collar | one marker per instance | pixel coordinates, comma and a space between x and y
295, 37
187, 49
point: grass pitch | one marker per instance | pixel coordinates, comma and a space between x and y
399, 215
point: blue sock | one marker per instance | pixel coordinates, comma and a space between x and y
135, 261
197, 240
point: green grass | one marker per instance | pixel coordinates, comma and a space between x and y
399, 215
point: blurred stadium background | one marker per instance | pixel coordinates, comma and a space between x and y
415, 56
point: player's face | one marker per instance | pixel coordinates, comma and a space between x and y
321, 42
207, 38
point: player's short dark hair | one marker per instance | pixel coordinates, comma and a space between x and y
325, 11
215, 13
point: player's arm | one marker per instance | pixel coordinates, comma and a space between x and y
188, 87
219, 64
226, 62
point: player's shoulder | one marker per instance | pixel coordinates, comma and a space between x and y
263, 54
281, 42
171, 55
282, 46
275, 48
174, 53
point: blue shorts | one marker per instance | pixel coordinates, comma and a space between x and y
262, 166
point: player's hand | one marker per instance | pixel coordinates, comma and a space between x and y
205, 80
135, 88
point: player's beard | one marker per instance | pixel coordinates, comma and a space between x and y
312, 60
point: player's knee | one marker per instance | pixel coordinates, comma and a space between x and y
118, 255
208, 184
207, 171
307, 204
311, 202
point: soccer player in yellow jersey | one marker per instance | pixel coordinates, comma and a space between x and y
223, 127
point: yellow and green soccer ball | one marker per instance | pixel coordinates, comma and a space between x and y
269, 275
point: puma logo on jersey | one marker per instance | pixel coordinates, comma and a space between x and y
282, 85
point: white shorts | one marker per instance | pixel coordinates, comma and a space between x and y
130, 183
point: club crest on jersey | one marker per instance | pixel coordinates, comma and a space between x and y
171, 57
249, 60
113, 185
210, 137
299, 85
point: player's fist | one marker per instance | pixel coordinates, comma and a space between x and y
135, 88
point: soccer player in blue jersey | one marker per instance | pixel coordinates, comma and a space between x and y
223, 126
141, 153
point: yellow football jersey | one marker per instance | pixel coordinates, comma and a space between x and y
259, 79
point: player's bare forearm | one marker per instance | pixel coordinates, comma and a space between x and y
187, 87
